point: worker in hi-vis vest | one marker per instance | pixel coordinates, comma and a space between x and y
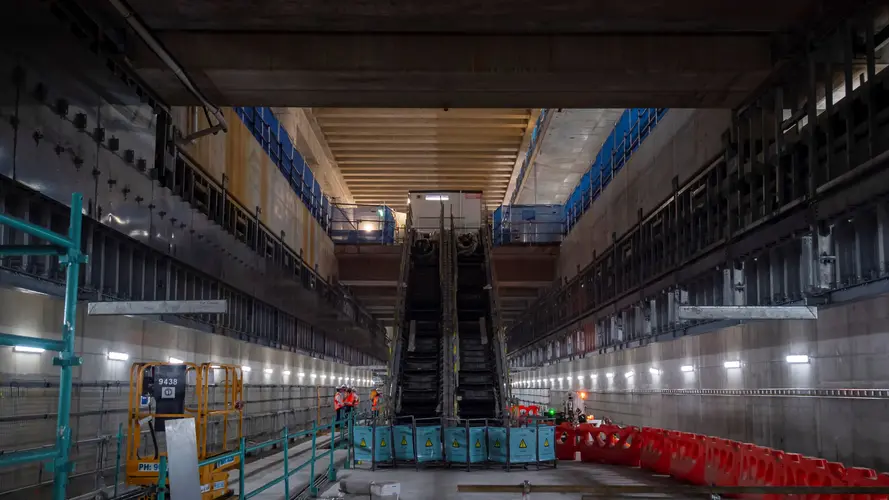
375, 403
339, 401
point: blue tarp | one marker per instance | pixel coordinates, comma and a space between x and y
429, 443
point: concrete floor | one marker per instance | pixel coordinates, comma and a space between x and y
441, 484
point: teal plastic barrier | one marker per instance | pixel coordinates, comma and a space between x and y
455, 444
429, 443
404, 442
522, 445
497, 444
478, 449
362, 437
546, 443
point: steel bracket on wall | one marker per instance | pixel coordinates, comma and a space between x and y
748, 312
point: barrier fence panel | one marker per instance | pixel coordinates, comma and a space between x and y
429, 443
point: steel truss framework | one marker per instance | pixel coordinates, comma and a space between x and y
793, 210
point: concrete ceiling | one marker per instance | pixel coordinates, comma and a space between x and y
384, 153
572, 140
458, 53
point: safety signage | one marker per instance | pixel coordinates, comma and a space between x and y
403, 442
522, 445
362, 438
497, 444
478, 450
455, 444
429, 443
546, 444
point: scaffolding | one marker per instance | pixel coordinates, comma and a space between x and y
68, 250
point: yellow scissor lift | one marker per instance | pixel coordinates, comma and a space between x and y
143, 462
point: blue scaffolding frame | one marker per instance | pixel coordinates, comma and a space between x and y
68, 249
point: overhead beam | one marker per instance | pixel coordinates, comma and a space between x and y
420, 70
152, 307
748, 312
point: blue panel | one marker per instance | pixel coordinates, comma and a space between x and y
546, 443
522, 445
497, 444
404, 442
455, 444
429, 443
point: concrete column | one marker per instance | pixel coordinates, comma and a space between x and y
653, 316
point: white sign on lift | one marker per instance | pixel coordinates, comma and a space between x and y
153, 307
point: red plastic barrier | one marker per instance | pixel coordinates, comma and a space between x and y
611, 444
722, 459
566, 442
655, 453
808, 471
857, 476
533, 410
761, 466
687, 457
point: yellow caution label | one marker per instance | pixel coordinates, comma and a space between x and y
496, 444
428, 443
546, 443
522, 444
403, 441
383, 442
455, 444
363, 443
478, 443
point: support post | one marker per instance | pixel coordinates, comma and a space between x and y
285, 447
162, 479
117, 460
67, 360
242, 450
313, 490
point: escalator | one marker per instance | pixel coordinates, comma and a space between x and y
478, 391
421, 335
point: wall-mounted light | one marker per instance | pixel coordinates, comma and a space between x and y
302, 374
245, 368
580, 378
609, 375
593, 376
797, 358
732, 364
286, 373
687, 368
215, 367
561, 379
176, 361
28, 349
118, 356
654, 371
268, 371
629, 374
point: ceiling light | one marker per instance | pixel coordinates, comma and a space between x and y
269, 371
732, 364
176, 361
687, 368
118, 356
245, 368
32, 350
797, 358
286, 373
215, 367
609, 375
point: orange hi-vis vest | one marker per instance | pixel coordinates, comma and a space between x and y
337, 401
350, 400
375, 400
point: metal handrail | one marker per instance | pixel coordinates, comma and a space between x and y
395, 343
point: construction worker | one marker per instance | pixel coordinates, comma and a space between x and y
375, 403
349, 401
339, 401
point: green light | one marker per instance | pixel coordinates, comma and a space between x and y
380, 212
551, 412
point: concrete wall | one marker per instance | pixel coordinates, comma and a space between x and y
27, 411
848, 346
683, 143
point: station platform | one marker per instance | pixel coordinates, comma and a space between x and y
441, 484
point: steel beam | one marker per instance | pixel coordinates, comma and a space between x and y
748, 312
135, 308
